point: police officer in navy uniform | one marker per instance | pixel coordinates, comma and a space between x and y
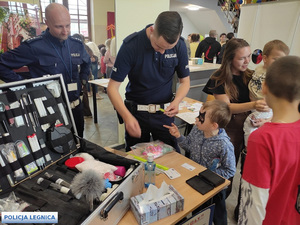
53, 52
151, 57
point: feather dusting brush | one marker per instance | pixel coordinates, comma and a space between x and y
88, 184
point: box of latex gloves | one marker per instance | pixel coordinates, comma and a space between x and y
156, 204
47, 173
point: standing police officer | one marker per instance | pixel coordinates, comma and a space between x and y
53, 52
150, 58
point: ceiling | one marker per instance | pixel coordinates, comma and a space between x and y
179, 6
204, 19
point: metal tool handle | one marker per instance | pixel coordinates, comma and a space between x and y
104, 212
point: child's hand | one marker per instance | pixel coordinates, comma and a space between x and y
173, 130
258, 122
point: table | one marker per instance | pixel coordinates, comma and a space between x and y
199, 75
186, 115
182, 114
192, 198
101, 83
204, 67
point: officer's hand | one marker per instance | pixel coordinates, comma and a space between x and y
132, 126
173, 130
172, 109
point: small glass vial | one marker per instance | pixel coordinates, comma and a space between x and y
149, 170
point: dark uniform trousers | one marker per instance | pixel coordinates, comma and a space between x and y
151, 125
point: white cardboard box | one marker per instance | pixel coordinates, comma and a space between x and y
156, 210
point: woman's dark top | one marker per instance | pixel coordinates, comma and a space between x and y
243, 96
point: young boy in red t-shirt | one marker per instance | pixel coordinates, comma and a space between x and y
271, 177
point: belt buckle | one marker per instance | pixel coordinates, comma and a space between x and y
72, 105
151, 108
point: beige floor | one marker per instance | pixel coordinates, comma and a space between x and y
105, 133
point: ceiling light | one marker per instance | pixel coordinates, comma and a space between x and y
193, 7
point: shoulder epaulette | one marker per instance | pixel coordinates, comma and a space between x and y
130, 37
29, 40
75, 39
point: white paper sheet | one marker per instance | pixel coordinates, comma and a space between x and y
188, 117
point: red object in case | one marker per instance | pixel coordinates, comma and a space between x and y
72, 162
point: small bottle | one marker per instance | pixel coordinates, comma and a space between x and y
149, 170
203, 57
215, 60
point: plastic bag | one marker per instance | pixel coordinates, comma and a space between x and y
158, 148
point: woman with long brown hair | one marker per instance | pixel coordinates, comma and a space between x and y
230, 84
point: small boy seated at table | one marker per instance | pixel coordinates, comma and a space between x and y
209, 145
271, 177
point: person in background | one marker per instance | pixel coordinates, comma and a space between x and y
113, 48
103, 65
194, 44
100, 46
235, 20
230, 84
210, 146
272, 51
53, 52
271, 178
85, 100
99, 71
229, 36
95, 64
223, 39
109, 60
150, 58
187, 43
210, 47
92, 45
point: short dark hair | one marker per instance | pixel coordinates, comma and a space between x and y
220, 112
283, 78
222, 34
103, 50
169, 25
100, 46
230, 35
195, 37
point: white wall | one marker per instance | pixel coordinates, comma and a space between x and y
202, 22
188, 27
260, 23
132, 16
99, 19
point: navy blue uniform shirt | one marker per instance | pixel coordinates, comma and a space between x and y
44, 55
150, 73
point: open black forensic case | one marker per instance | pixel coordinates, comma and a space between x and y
37, 136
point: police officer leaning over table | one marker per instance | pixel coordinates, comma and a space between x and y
150, 57
53, 52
